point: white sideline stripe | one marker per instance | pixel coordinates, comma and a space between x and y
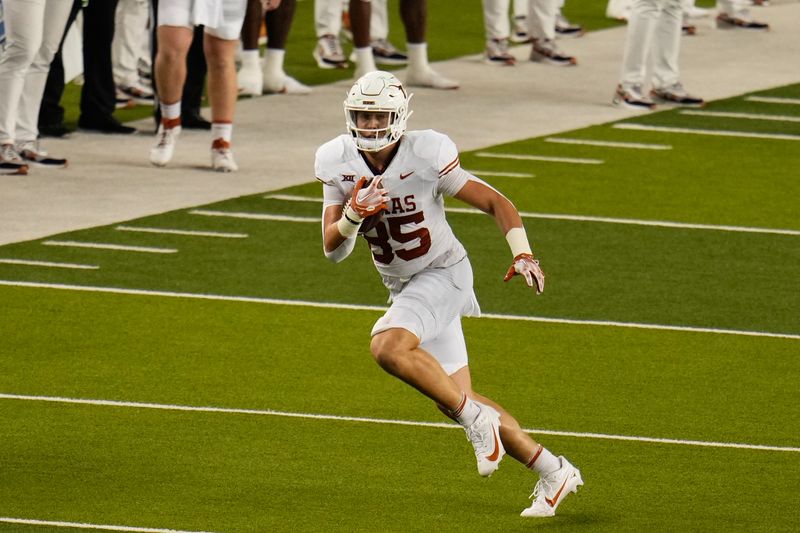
270, 412
525, 157
501, 174
609, 144
721, 133
48, 264
82, 525
774, 100
580, 218
360, 307
253, 216
750, 116
106, 246
191, 233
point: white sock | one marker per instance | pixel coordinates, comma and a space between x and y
543, 461
467, 411
273, 63
365, 60
250, 58
417, 56
170, 111
222, 130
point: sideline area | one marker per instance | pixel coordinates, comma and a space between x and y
110, 179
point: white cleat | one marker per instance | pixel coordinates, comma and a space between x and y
285, 85
222, 157
484, 434
162, 150
429, 78
249, 79
551, 489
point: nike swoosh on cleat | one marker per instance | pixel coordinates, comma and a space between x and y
496, 452
552, 503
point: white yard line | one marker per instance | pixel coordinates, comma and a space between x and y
314, 416
748, 116
360, 307
500, 174
720, 133
526, 157
253, 216
107, 246
609, 144
190, 233
48, 264
83, 525
774, 100
581, 218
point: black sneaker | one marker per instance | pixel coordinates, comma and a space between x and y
11, 162
54, 130
35, 157
106, 124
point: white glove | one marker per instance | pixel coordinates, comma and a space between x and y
371, 199
525, 265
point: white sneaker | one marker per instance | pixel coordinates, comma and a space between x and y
162, 150
429, 78
520, 33
552, 488
497, 53
222, 156
249, 80
285, 85
484, 434
328, 53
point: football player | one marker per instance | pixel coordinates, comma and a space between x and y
378, 173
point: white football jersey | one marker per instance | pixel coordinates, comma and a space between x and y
414, 233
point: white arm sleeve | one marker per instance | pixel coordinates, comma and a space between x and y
332, 195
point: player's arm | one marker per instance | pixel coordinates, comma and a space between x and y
480, 195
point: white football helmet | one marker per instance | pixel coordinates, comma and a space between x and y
377, 91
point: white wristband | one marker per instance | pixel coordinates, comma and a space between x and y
518, 241
349, 223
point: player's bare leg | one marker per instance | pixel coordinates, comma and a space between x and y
222, 90
174, 43
397, 351
557, 476
415, 20
360, 13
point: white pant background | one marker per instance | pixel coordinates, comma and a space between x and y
131, 40
653, 40
328, 18
540, 17
222, 18
33, 31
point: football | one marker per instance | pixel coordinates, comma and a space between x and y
370, 222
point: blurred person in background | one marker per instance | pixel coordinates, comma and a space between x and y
33, 31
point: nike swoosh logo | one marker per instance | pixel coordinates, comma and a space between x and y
496, 451
552, 503
404, 176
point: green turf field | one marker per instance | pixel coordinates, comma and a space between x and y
231, 324
221, 383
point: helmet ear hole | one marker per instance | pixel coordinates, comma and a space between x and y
377, 92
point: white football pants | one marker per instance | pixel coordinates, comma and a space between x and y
328, 18
541, 18
654, 33
131, 41
33, 32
